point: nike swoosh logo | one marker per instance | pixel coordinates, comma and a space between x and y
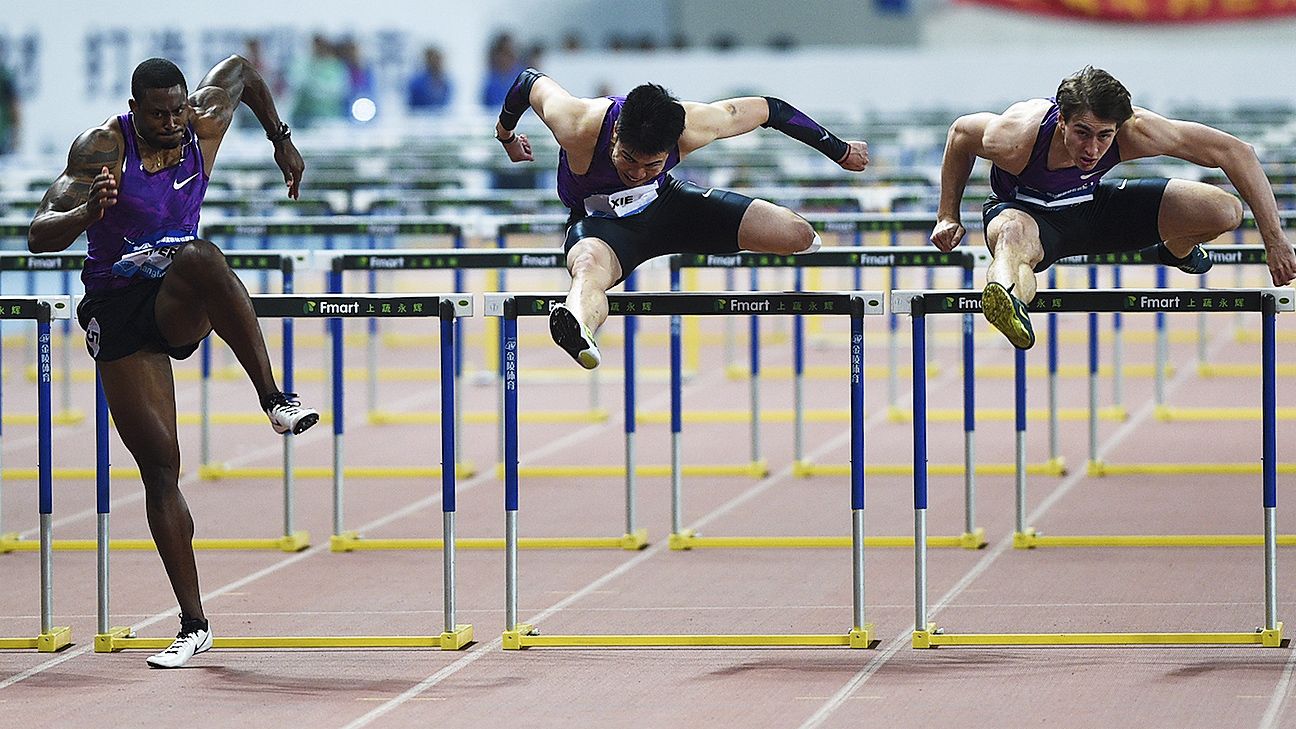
824, 137
708, 192
1122, 185
181, 183
1091, 174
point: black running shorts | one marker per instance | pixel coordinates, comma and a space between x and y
122, 322
685, 218
1121, 217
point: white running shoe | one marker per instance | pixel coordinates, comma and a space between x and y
287, 415
186, 645
573, 337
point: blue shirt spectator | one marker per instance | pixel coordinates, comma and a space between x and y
430, 89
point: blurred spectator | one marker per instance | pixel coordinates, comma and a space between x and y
724, 41
502, 66
679, 42
322, 84
572, 42
430, 88
254, 52
9, 116
534, 56
359, 77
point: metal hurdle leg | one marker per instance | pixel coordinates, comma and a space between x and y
634, 537
1162, 351
1273, 629
51, 638
799, 465
340, 539
918, 323
1055, 456
513, 630
1118, 354
973, 536
680, 538
861, 634
1023, 537
753, 386
455, 636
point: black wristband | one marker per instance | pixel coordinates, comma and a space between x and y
518, 98
280, 134
511, 139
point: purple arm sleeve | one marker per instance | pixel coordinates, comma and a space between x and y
794, 123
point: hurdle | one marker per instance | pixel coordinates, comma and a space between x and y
512, 306
454, 636
458, 261
64, 264
920, 304
42, 311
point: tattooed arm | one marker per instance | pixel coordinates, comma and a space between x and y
79, 197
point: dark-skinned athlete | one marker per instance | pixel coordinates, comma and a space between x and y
154, 290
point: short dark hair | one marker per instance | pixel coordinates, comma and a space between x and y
156, 73
651, 120
1094, 90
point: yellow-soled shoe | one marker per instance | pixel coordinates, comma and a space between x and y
1008, 315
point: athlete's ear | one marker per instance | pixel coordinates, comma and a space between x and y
131, 104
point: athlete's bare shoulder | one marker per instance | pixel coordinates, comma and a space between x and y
1010, 136
97, 147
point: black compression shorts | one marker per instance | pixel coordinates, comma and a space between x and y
122, 322
1121, 217
685, 218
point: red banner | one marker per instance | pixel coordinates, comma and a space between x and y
1151, 11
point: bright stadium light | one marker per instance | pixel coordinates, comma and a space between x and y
363, 109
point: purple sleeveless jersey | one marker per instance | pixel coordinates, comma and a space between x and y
600, 192
1038, 185
155, 214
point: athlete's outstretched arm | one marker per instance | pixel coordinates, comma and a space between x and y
1150, 135
705, 123
965, 142
218, 95
573, 121
78, 198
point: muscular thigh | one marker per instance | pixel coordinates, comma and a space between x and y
1013, 226
141, 396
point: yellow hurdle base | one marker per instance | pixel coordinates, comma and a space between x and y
1031, 539
1055, 467
63, 417
526, 636
689, 539
948, 415
215, 472
295, 542
1209, 414
934, 637
52, 642
381, 417
1100, 468
758, 469
353, 542
120, 639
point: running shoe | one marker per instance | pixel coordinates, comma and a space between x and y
194, 637
573, 337
1196, 262
1008, 315
287, 415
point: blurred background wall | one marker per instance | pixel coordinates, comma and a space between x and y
71, 67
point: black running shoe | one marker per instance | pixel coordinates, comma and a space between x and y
573, 337
1008, 315
1196, 262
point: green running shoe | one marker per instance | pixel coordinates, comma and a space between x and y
1008, 315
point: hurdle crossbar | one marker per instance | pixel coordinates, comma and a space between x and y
920, 304
512, 306
858, 258
446, 308
42, 310
458, 260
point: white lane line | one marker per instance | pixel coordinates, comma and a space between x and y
1124, 431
